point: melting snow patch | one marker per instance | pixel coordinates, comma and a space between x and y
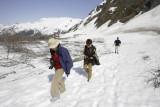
112, 1
112, 9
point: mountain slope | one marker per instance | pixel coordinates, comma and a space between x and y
119, 10
135, 24
45, 26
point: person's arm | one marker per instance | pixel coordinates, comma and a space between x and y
95, 52
85, 56
68, 62
84, 51
119, 43
51, 60
52, 63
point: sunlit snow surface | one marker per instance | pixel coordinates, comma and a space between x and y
120, 80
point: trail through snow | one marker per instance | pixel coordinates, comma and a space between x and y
117, 82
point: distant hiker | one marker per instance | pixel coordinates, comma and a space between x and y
62, 62
117, 44
90, 58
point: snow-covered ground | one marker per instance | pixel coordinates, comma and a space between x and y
120, 80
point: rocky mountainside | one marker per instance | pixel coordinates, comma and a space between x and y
113, 11
45, 26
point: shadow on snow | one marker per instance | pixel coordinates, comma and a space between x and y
80, 71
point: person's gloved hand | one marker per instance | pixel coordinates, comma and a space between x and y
51, 67
91, 57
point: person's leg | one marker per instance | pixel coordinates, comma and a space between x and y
85, 67
61, 85
116, 49
55, 82
90, 71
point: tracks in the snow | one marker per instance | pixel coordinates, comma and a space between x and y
103, 84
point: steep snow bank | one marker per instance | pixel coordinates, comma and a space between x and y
149, 21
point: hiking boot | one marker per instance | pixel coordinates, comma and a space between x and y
88, 80
53, 99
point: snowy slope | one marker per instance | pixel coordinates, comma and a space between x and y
1, 26
92, 14
151, 22
147, 22
46, 26
120, 80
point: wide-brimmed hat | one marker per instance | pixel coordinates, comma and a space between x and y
53, 43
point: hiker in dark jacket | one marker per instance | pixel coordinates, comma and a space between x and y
89, 57
62, 62
117, 44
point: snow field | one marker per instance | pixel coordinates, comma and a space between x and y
117, 82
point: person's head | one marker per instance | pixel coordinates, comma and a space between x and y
53, 44
89, 42
117, 38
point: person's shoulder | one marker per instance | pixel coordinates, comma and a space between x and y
62, 49
93, 47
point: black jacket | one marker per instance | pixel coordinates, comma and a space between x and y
117, 42
90, 52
